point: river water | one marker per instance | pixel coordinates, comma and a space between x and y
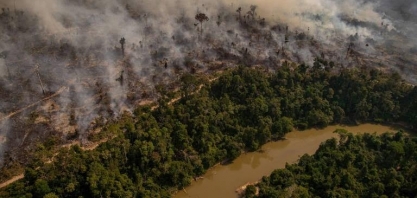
222, 181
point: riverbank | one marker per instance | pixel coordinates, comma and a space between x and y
223, 180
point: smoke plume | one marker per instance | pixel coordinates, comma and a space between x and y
64, 67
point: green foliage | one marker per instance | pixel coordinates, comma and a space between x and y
355, 167
41, 187
158, 152
250, 191
51, 195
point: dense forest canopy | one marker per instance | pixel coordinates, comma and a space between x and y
355, 166
152, 153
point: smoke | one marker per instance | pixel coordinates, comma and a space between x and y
70, 50
318, 14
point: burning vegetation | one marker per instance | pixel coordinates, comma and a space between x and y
67, 67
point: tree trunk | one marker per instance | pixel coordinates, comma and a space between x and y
39, 76
8, 72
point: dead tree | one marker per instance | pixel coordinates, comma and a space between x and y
3, 55
349, 49
9, 75
252, 11
121, 79
166, 63
145, 16
40, 80
122, 43
239, 10
201, 17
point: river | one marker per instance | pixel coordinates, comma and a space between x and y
222, 181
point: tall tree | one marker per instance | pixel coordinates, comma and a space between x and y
201, 17
122, 43
239, 10
39, 77
252, 11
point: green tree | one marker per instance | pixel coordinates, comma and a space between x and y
41, 188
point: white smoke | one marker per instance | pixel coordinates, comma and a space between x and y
88, 32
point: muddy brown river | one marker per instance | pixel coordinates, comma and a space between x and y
222, 181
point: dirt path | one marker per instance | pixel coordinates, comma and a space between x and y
96, 144
62, 89
86, 148
179, 97
12, 180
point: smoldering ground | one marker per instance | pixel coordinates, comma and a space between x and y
72, 50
